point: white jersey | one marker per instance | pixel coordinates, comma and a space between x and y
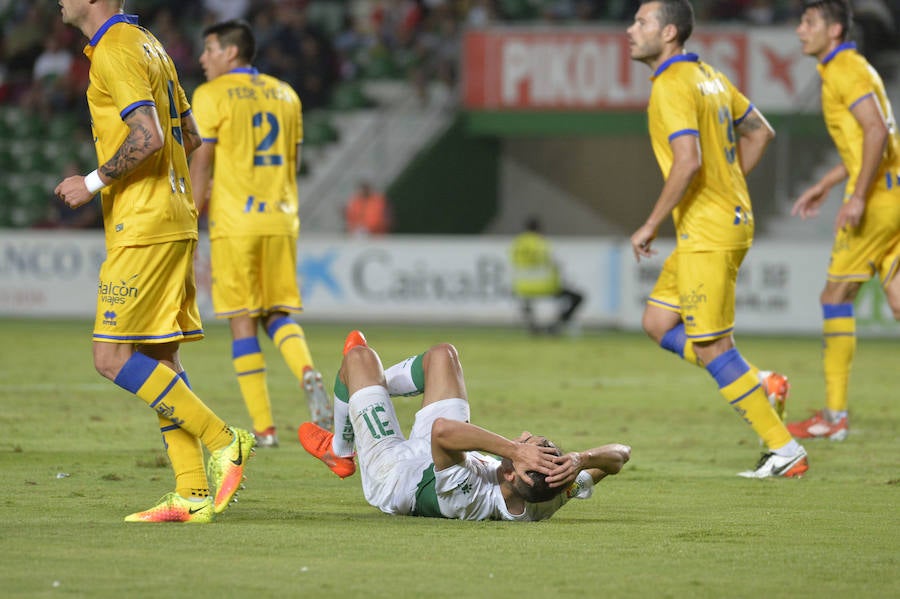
398, 475
470, 491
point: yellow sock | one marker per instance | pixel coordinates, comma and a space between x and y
186, 456
250, 367
689, 355
839, 336
753, 369
170, 396
739, 384
290, 340
676, 341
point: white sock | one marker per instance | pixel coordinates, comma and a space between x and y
788, 450
342, 442
835, 416
401, 377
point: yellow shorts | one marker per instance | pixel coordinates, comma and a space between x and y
254, 275
700, 287
147, 294
874, 246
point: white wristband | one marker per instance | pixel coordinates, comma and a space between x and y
93, 182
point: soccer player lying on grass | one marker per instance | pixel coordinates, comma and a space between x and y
438, 471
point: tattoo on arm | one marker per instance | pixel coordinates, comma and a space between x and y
191, 135
751, 123
137, 146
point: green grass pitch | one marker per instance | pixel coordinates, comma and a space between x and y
78, 454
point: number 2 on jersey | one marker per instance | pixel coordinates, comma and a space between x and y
260, 157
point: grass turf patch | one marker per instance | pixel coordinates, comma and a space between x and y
79, 454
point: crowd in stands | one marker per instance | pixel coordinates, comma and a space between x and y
315, 44
318, 46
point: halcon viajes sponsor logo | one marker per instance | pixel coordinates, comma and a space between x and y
117, 292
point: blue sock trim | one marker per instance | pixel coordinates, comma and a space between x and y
748, 393
165, 391
135, 372
245, 346
837, 310
728, 367
184, 377
674, 340
246, 372
277, 324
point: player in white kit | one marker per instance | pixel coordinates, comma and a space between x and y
444, 468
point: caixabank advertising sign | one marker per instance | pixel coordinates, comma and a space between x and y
451, 280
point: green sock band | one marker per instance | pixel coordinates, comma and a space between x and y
418, 373
341, 392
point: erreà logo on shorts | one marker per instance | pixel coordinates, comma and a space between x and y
109, 318
117, 292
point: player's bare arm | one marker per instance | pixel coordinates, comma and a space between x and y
599, 462
807, 205
201, 168
867, 113
145, 137
686, 163
190, 134
450, 439
754, 133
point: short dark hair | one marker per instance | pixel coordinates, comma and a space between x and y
833, 11
679, 13
236, 32
540, 490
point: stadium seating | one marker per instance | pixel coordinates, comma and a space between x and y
33, 161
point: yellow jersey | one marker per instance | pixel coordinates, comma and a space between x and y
689, 97
130, 69
534, 271
847, 78
255, 121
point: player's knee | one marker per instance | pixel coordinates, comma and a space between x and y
442, 356
360, 358
107, 365
652, 328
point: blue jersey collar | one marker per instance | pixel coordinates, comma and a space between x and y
245, 70
120, 18
686, 57
840, 48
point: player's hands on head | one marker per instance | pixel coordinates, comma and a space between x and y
566, 470
531, 457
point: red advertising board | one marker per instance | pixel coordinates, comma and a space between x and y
591, 69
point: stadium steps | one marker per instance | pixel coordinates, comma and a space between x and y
820, 228
373, 143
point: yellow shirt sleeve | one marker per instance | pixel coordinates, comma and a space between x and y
125, 78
